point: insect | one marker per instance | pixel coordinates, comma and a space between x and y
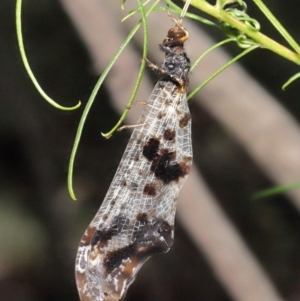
136, 218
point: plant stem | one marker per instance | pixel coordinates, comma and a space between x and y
277, 25
261, 39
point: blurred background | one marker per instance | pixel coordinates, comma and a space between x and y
40, 226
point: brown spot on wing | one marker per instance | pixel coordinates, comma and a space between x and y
169, 135
101, 237
168, 171
142, 217
150, 149
114, 258
184, 120
152, 236
87, 236
150, 189
160, 115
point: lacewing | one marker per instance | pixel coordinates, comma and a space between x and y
136, 218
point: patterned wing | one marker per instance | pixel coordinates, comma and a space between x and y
136, 218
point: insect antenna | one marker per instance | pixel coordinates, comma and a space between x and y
184, 11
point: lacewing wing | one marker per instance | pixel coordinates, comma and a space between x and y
136, 218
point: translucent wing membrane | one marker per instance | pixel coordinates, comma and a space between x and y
136, 218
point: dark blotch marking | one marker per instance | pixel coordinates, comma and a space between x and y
142, 217
150, 189
162, 161
151, 237
185, 169
149, 233
123, 183
88, 236
169, 135
166, 171
101, 237
114, 258
184, 120
112, 204
150, 149
160, 115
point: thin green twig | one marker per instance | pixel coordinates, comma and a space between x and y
210, 49
276, 190
264, 41
246, 51
277, 25
290, 80
134, 11
27, 66
140, 75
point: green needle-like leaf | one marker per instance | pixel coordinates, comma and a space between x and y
27, 66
